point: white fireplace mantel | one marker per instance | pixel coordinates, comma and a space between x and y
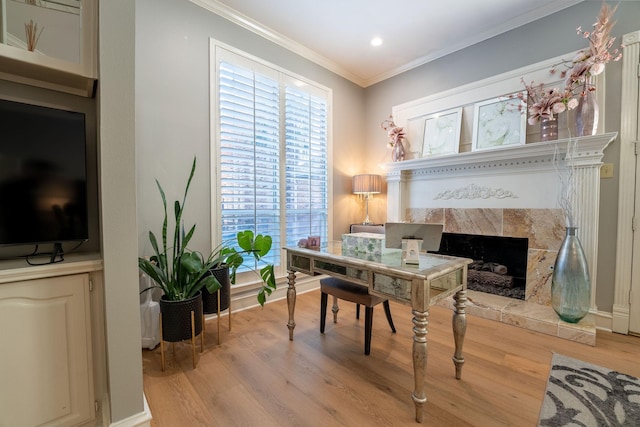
589, 151
522, 176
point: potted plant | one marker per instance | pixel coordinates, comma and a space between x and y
228, 257
179, 272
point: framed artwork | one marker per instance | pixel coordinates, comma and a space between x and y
313, 242
442, 133
499, 122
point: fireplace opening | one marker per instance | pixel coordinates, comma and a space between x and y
499, 263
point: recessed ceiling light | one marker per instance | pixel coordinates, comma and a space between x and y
376, 41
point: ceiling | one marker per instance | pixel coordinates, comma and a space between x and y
337, 33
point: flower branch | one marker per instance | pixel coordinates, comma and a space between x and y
586, 63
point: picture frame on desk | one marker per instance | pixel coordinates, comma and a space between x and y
313, 242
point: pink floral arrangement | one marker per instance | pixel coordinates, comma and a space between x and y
395, 133
545, 102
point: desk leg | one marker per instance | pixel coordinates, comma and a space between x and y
291, 302
419, 360
459, 329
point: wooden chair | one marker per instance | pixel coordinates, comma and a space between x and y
359, 294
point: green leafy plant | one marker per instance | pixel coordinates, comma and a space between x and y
179, 272
254, 246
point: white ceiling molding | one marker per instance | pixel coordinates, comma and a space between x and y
456, 46
277, 38
256, 27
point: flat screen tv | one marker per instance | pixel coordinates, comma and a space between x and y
43, 178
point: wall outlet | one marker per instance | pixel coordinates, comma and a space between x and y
606, 170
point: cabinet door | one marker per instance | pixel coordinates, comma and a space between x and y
45, 352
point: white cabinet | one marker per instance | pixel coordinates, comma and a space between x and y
45, 352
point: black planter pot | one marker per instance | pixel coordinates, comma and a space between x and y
209, 300
176, 318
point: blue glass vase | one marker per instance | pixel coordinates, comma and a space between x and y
570, 283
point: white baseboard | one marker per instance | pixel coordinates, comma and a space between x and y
245, 300
141, 419
604, 321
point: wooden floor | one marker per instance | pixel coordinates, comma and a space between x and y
257, 377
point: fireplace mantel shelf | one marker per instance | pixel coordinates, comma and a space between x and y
589, 150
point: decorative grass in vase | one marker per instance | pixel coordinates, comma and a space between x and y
31, 31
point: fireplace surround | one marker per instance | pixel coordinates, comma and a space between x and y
511, 192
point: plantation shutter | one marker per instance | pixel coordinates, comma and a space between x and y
249, 154
306, 166
271, 153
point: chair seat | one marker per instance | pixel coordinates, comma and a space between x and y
349, 291
353, 292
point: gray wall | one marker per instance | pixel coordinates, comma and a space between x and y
172, 112
546, 38
116, 106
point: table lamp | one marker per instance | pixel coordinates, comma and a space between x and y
367, 185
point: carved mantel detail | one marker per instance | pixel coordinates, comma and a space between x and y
473, 191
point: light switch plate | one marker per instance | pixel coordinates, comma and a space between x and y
606, 170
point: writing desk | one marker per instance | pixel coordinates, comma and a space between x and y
419, 286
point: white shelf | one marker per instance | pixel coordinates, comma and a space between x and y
36, 69
18, 270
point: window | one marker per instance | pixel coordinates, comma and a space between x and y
306, 166
271, 143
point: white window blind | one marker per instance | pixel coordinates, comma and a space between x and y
249, 154
306, 166
273, 163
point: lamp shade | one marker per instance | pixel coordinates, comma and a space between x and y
367, 184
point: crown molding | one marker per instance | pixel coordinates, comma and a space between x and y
521, 20
254, 26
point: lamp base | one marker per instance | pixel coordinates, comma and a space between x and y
366, 221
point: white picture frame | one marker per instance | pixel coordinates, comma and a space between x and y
499, 122
442, 133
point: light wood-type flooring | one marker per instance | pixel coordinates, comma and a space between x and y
257, 377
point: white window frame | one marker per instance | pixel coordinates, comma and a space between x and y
219, 51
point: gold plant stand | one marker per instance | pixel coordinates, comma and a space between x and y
193, 340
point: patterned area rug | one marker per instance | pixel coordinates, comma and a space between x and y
581, 394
